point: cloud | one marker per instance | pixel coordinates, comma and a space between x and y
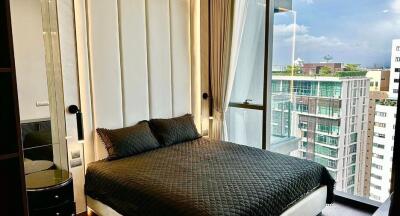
308, 1
286, 30
383, 29
396, 6
345, 39
284, 34
319, 41
309, 46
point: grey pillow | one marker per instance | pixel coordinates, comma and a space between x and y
128, 141
174, 130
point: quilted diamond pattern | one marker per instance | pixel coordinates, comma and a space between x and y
128, 141
204, 177
174, 130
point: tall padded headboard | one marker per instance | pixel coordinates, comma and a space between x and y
140, 61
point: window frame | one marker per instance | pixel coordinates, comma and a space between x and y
348, 199
266, 108
267, 87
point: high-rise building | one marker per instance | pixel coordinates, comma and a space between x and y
379, 79
373, 97
382, 150
329, 115
381, 129
395, 69
378, 90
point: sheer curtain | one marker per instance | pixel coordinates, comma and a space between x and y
245, 126
237, 57
239, 18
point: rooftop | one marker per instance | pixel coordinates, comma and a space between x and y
386, 102
340, 74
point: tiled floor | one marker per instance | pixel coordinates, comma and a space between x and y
342, 210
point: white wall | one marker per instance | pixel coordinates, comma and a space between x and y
26, 19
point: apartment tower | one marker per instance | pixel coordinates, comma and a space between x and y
382, 150
329, 115
378, 90
383, 131
395, 69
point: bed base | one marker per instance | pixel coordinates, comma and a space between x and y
100, 208
311, 205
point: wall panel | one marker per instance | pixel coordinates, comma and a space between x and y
84, 77
71, 93
180, 56
159, 58
105, 67
105, 63
133, 47
140, 62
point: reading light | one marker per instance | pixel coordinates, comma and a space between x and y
73, 109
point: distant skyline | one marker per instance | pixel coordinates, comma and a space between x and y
356, 31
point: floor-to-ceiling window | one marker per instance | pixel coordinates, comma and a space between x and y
321, 104
245, 114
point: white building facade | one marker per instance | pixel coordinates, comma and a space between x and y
330, 117
382, 150
395, 69
384, 130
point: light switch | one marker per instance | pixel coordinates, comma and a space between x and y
75, 154
75, 162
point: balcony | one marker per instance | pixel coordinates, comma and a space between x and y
284, 145
334, 117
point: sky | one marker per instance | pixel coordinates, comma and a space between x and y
351, 31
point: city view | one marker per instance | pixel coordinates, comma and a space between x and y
342, 94
333, 93
343, 118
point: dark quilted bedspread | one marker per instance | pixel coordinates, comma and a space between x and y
205, 177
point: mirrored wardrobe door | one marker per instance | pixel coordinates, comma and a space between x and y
39, 81
55, 80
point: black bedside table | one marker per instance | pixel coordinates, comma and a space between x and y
50, 192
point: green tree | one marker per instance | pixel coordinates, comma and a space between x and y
351, 67
325, 70
296, 69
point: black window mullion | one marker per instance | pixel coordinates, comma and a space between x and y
247, 106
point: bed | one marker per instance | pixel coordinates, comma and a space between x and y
208, 177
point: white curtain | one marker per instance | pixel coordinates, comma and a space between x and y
239, 18
245, 126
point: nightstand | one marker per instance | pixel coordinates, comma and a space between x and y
50, 192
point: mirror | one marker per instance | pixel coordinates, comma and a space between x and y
37, 63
